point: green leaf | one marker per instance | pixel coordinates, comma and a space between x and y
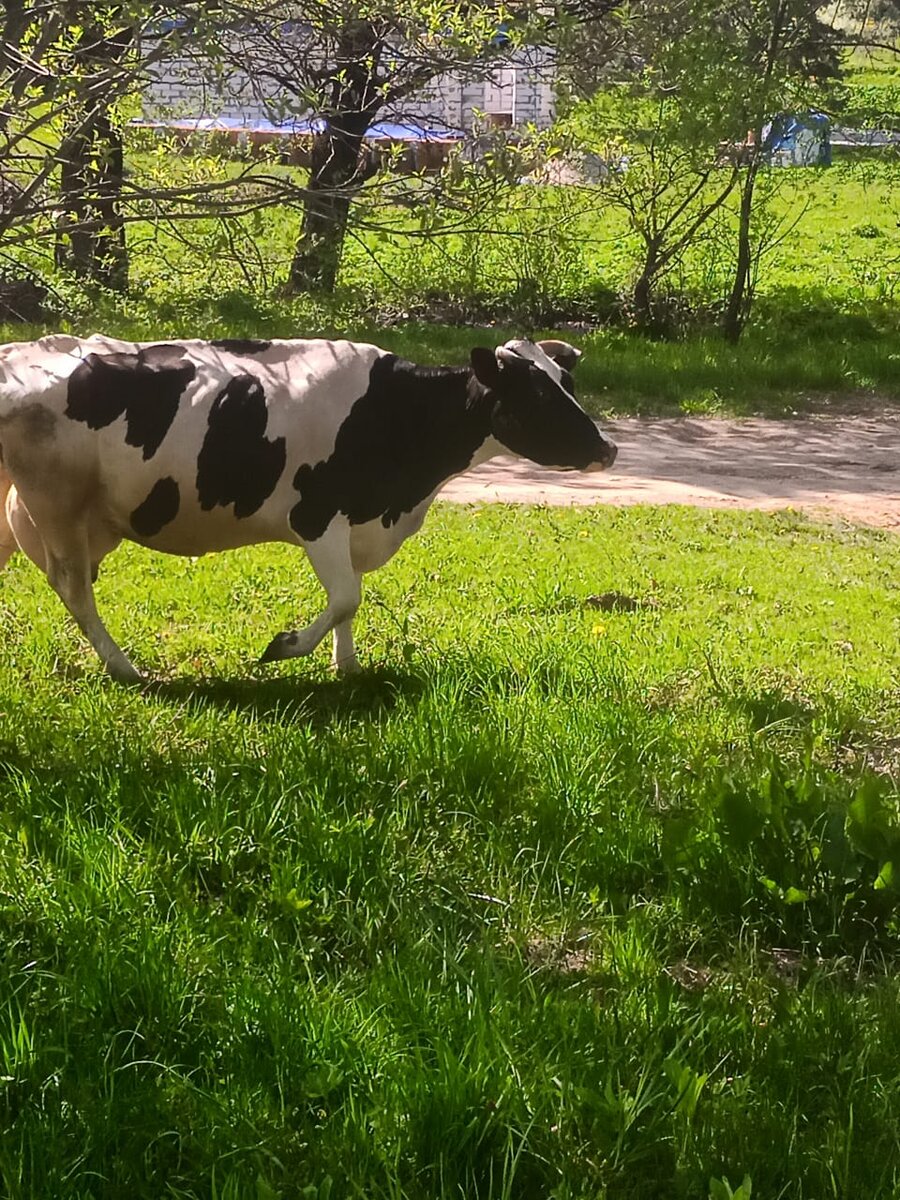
868, 820
885, 876
296, 903
688, 1085
720, 1189
265, 1191
676, 841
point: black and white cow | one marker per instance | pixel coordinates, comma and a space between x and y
195, 446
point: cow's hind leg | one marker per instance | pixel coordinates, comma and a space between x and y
25, 536
70, 577
330, 557
67, 561
8, 543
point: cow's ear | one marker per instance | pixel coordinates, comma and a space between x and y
485, 366
562, 353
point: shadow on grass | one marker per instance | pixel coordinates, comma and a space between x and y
776, 710
773, 708
292, 700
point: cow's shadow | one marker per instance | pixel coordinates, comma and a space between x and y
290, 700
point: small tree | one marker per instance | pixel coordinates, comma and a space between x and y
787, 56
667, 188
689, 92
660, 124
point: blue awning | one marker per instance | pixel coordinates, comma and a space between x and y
394, 131
407, 132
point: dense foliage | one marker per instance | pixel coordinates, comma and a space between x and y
674, 127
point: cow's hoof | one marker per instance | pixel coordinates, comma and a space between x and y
283, 645
347, 666
127, 675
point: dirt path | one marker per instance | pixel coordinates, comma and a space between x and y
847, 466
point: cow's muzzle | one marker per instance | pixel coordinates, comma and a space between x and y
606, 455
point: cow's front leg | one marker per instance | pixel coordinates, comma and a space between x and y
330, 558
343, 654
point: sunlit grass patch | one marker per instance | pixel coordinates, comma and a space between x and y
564, 896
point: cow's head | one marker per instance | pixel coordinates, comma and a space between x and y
534, 411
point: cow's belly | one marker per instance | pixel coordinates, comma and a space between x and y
195, 531
208, 535
371, 544
156, 518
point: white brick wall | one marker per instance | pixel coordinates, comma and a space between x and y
179, 89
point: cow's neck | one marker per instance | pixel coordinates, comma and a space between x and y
457, 412
461, 408
415, 428
479, 403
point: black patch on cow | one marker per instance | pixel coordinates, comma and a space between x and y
237, 463
412, 430
158, 509
241, 345
146, 386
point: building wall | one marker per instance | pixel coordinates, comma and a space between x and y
185, 88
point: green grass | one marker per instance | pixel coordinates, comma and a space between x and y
551, 902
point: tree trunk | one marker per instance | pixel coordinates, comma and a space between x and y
642, 293
737, 309
74, 241
110, 247
350, 101
334, 177
90, 237
90, 232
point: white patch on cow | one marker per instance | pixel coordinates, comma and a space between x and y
522, 348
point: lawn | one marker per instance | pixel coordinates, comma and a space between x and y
557, 900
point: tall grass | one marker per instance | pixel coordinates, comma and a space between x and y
553, 901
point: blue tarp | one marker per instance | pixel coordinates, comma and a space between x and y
799, 140
380, 131
411, 133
